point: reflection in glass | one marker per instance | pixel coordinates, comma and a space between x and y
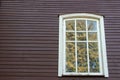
92, 25
81, 26
70, 36
81, 36
70, 25
93, 57
70, 57
92, 36
82, 57
77, 34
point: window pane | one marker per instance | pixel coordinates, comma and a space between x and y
92, 36
92, 25
70, 36
70, 57
81, 25
82, 57
70, 25
81, 36
94, 57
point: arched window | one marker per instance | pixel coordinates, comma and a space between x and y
82, 47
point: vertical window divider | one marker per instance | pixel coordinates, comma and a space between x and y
76, 47
87, 47
64, 50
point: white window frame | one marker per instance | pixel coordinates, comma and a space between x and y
61, 60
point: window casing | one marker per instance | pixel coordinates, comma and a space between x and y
82, 48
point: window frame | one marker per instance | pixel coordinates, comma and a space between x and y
62, 31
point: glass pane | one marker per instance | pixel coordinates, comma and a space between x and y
70, 57
70, 25
93, 57
92, 25
82, 57
81, 25
81, 36
92, 36
70, 36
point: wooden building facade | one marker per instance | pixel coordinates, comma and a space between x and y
29, 36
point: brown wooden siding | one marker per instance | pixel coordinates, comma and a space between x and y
29, 37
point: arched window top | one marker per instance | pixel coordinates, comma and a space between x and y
81, 15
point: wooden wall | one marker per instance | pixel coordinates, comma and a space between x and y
29, 37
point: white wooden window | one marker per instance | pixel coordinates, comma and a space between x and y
82, 47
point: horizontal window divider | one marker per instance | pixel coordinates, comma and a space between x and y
92, 31
81, 41
92, 41
70, 31
84, 74
76, 41
81, 31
